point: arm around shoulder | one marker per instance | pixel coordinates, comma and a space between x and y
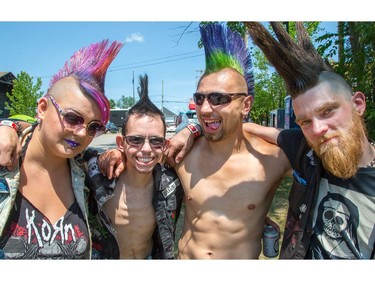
269, 134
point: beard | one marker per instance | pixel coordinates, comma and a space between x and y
342, 159
214, 137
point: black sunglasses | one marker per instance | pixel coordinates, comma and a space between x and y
138, 141
73, 122
215, 98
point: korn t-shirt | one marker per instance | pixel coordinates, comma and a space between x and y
30, 235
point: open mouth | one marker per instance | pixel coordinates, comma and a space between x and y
212, 125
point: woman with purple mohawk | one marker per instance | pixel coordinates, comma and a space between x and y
43, 214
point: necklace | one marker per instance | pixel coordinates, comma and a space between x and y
372, 163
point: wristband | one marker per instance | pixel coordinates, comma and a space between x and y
14, 125
195, 129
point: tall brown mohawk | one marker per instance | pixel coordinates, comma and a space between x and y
298, 63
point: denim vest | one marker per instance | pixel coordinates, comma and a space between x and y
9, 182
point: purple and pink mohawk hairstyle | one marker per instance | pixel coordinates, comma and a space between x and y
89, 66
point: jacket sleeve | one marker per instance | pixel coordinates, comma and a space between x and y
289, 141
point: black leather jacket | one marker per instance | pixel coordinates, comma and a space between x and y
298, 226
167, 201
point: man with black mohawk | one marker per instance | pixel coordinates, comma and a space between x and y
140, 209
332, 201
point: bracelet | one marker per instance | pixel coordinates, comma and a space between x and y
195, 129
14, 125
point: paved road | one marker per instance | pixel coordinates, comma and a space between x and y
107, 141
104, 142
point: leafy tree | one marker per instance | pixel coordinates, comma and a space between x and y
125, 102
354, 46
24, 96
112, 103
270, 91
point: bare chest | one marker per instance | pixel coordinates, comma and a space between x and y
131, 209
243, 182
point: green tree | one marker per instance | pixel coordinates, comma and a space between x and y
270, 91
354, 46
112, 103
24, 96
125, 102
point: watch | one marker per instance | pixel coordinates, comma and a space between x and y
12, 124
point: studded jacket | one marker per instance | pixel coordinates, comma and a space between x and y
306, 177
167, 202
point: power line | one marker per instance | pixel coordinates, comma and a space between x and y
159, 99
135, 63
133, 67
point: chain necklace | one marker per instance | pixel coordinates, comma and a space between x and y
372, 163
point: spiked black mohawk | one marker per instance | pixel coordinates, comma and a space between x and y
144, 105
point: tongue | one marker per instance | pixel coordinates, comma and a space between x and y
213, 126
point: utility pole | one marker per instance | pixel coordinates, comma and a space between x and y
133, 88
162, 96
198, 76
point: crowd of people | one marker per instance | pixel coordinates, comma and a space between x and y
125, 203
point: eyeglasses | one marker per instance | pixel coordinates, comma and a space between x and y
138, 141
73, 122
215, 98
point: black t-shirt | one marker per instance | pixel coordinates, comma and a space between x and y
30, 235
343, 211
344, 221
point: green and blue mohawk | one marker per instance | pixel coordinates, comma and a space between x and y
226, 48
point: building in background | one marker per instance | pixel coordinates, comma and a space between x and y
6, 86
117, 115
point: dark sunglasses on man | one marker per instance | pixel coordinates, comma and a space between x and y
215, 98
138, 141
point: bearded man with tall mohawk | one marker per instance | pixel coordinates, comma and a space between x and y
332, 201
43, 201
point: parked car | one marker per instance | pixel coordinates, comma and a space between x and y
191, 115
171, 127
111, 127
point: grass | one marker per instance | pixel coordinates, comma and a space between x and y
279, 208
277, 212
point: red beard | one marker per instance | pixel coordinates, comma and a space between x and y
342, 159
